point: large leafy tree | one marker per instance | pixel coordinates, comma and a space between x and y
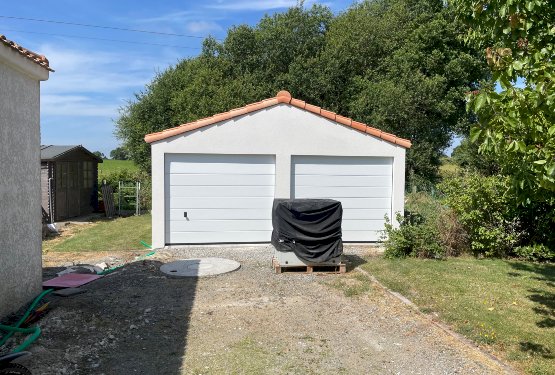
516, 116
396, 64
406, 72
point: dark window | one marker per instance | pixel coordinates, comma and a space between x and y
88, 175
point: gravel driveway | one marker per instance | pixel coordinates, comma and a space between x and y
251, 321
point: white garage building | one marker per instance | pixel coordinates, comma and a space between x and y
214, 180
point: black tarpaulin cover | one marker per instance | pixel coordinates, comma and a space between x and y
311, 228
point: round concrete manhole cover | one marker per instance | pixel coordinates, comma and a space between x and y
199, 267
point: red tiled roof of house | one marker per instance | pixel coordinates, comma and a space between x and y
33, 56
281, 97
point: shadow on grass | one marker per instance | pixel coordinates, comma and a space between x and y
544, 271
536, 349
135, 320
543, 298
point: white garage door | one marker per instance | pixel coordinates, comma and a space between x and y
219, 198
361, 184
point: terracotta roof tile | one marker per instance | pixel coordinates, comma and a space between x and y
298, 103
312, 108
328, 114
359, 126
281, 97
34, 57
343, 120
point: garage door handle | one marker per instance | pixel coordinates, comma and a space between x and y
185, 215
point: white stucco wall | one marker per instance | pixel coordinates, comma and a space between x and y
20, 217
281, 130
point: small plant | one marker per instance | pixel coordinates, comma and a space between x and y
536, 252
414, 237
485, 334
426, 230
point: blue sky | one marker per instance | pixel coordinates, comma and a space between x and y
94, 78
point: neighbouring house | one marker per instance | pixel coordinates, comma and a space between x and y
68, 177
21, 71
214, 180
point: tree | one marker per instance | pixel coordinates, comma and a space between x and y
468, 156
119, 153
516, 116
395, 64
99, 154
407, 73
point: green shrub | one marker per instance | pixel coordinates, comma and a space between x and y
427, 230
536, 252
485, 209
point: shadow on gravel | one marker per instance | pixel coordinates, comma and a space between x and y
353, 261
133, 321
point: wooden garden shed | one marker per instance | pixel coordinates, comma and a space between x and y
69, 181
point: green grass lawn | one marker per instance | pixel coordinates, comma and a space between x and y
105, 235
108, 166
506, 306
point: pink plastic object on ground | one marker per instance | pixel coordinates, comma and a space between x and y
70, 280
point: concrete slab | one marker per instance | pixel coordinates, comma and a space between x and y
200, 267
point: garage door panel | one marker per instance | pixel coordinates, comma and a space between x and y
227, 198
221, 202
350, 225
227, 179
258, 167
219, 158
342, 160
343, 170
221, 225
348, 203
221, 237
344, 166
345, 191
325, 180
220, 214
368, 214
239, 169
363, 236
221, 191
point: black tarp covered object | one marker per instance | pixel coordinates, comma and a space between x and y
311, 228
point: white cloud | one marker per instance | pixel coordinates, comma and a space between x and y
92, 82
75, 105
179, 16
202, 27
85, 71
193, 22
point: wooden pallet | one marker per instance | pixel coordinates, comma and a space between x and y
308, 268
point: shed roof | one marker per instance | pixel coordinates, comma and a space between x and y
281, 97
40, 60
53, 152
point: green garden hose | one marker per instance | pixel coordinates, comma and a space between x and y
35, 331
112, 269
